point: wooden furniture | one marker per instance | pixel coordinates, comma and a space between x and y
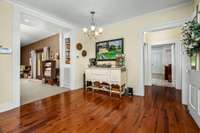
49, 71
168, 73
112, 80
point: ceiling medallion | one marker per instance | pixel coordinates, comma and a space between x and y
92, 31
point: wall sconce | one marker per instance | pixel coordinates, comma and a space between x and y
5, 50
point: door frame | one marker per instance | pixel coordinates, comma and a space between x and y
18, 10
168, 25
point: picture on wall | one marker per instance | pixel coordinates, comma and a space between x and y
108, 50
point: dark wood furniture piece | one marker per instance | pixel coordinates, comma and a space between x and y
168, 73
49, 71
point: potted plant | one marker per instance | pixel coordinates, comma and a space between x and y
191, 40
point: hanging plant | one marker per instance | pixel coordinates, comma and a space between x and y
191, 37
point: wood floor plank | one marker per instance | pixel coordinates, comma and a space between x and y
160, 111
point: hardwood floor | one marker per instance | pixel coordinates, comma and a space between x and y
159, 111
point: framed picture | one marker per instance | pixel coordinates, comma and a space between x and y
108, 50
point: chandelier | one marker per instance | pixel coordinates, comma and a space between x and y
92, 31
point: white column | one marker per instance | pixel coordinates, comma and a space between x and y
147, 64
173, 65
178, 65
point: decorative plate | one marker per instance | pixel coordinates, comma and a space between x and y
79, 46
84, 53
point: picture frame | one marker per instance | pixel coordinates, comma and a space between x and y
108, 50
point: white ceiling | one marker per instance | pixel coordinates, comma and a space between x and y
107, 11
33, 29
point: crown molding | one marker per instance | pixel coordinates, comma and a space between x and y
23, 8
150, 13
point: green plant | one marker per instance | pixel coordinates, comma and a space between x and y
191, 37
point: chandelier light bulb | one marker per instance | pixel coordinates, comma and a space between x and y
96, 33
92, 31
85, 30
100, 30
92, 27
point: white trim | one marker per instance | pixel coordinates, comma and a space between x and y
67, 85
168, 25
61, 42
73, 37
6, 106
194, 115
16, 58
178, 65
150, 13
190, 98
25, 6
41, 15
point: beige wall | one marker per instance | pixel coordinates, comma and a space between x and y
52, 42
5, 60
164, 36
130, 31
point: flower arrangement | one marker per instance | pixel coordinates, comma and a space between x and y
191, 37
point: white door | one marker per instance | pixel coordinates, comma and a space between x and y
156, 61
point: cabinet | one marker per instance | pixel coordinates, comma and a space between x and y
194, 96
112, 80
49, 71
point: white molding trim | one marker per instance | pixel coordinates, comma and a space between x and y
167, 25
73, 36
194, 115
67, 85
6, 106
61, 42
150, 13
41, 15
15, 58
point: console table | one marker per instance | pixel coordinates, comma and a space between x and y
112, 80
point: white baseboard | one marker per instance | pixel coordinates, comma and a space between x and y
194, 115
7, 106
67, 85
138, 92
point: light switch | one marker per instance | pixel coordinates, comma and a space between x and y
5, 50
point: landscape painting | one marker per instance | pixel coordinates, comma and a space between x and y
108, 50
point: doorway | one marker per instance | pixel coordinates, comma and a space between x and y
163, 58
40, 62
